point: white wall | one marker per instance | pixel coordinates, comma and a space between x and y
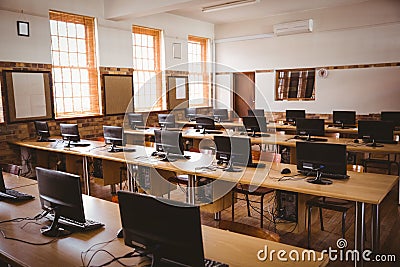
365, 33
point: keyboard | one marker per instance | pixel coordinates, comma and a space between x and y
214, 132
324, 174
259, 135
78, 144
15, 195
305, 138
213, 263
256, 165
86, 226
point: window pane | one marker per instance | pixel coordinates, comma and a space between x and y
81, 46
80, 31
72, 45
76, 75
67, 88
56, 58
53, 27
73, 59
54, 43
84, 76
71, 30
68, 107
64, 59
62, 29
82, 60
63, 44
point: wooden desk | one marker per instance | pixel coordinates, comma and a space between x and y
234, 249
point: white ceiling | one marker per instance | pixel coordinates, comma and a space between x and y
125, 9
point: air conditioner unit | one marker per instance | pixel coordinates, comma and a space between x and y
293, 27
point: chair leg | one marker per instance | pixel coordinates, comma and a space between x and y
248, 205
309, 227
233, 206
344, 224
262, 211
321, 219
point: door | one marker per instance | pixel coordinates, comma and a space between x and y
243, 92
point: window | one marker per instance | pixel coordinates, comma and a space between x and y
199, 78
75, 74
295, 84
147, 76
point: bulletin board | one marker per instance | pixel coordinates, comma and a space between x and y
29, 95
178, 92
118, 92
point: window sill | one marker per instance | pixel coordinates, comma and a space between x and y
83, 116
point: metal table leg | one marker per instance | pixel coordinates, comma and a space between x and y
359, 231
86, 177
375, 228
191, 188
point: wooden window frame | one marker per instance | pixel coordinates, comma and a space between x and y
204, 73
297, 89
93, 95
138, 91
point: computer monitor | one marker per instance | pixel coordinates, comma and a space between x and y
166, 120
113, 135
172, 143
135, 120
233, 151
165, 230
70, 132
256, 112
190, 113
157, 141
344, 118
309, 127
321, 159
205, 123
42, 131
376, 131
220, 114
60, 194
255, 124
393, 116
292, 115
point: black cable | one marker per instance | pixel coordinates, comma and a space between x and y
27, 242
84, 253
117, 259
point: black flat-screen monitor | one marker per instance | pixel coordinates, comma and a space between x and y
393, 116
233, 151
42, 131
113, 135
255, 125
344, 118
256, 112
70, 132
60, 194
157, 141
165, 230
171, 142
166, 120
310, 127
135, 120
190, 113
205, 123
321, 159
376, 131
220, 114
292, 115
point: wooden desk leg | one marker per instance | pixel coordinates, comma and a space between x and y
375, 228
359, 231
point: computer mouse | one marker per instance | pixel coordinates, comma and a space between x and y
120, 233
356, 141
154, 154
187, 157
286, 171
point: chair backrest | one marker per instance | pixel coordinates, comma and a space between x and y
250, 230
11, 168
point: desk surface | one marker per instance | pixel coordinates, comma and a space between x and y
234, 249
363, 187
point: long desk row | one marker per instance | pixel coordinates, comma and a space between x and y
363, 188
228, 247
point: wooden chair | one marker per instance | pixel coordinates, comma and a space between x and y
260, 191
11, 168
330, 204
246, 229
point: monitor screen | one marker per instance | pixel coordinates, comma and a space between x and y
393, 116
42, 130
344, 117
329, 158
171, 141
60, 193
70, 132
379, 131
190, 113
166, 120
157, 141
255, 123
220, 114
113, 135
135, 120
292, 115
234, 149
205, 123
315, 127
165, 230
256, 112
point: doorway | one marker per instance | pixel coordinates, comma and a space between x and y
243, 92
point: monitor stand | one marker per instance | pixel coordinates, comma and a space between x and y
230, 168
54, 230
319, 180
374, 144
